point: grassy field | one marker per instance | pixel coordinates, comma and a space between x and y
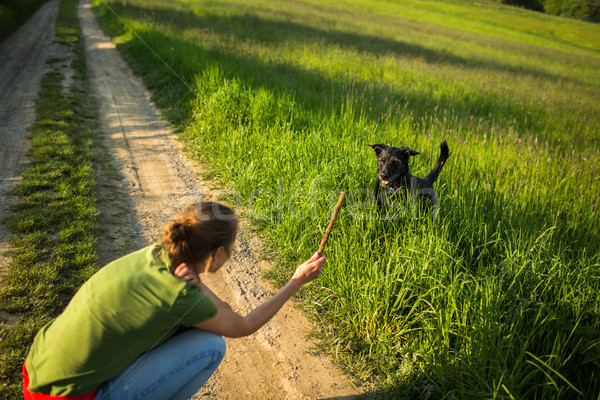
55, 222
500, 296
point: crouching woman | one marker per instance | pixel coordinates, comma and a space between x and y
145, 326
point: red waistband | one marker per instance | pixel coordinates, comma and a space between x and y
27, 395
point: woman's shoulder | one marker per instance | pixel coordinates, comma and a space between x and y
153, 253
140, 276
131, 270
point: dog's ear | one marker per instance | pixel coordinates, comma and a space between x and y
378, 148
408, 151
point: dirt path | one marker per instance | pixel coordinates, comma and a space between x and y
158, 181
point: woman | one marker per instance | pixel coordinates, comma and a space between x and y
124, 336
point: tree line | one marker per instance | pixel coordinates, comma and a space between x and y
14, 13
588, 10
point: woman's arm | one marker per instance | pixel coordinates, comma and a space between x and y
231, 324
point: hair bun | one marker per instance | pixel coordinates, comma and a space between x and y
178, 232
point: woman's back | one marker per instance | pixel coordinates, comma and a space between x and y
128, 307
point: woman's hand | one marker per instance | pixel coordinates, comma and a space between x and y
310, 269
186, 273
231, 324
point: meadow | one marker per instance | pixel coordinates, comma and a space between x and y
497, 297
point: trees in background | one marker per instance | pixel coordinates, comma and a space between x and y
13, 13
584, 9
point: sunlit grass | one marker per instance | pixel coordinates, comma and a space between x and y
499, 297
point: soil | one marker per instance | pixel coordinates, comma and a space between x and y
153, 179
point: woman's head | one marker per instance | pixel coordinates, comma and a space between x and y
195, 235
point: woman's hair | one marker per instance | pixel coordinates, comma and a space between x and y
199, 230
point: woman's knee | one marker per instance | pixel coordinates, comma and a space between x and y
208, 340
218, 343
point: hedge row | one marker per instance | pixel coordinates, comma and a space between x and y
13, 13
584, 9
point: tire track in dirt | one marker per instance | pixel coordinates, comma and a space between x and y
275, 362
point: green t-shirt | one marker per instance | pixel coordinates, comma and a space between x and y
128, 307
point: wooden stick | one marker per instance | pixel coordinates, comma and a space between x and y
331, 222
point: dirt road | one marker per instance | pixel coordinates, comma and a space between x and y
157, 181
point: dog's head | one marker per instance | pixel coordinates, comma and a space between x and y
392, 163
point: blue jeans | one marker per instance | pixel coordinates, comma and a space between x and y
176, 369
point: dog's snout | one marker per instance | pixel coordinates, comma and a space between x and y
392, 169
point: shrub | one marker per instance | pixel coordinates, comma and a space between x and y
535, 5
14, 13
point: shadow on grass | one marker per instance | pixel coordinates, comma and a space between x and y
314, 92
248, 26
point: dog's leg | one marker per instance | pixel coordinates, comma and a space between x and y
379, 197
431, 195
414, 196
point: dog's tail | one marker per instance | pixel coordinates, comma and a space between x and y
437, 168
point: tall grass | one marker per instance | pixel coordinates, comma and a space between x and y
499, 296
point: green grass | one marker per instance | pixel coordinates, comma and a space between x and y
499, 297
55, 221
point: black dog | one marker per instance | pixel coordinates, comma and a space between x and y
395, 179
